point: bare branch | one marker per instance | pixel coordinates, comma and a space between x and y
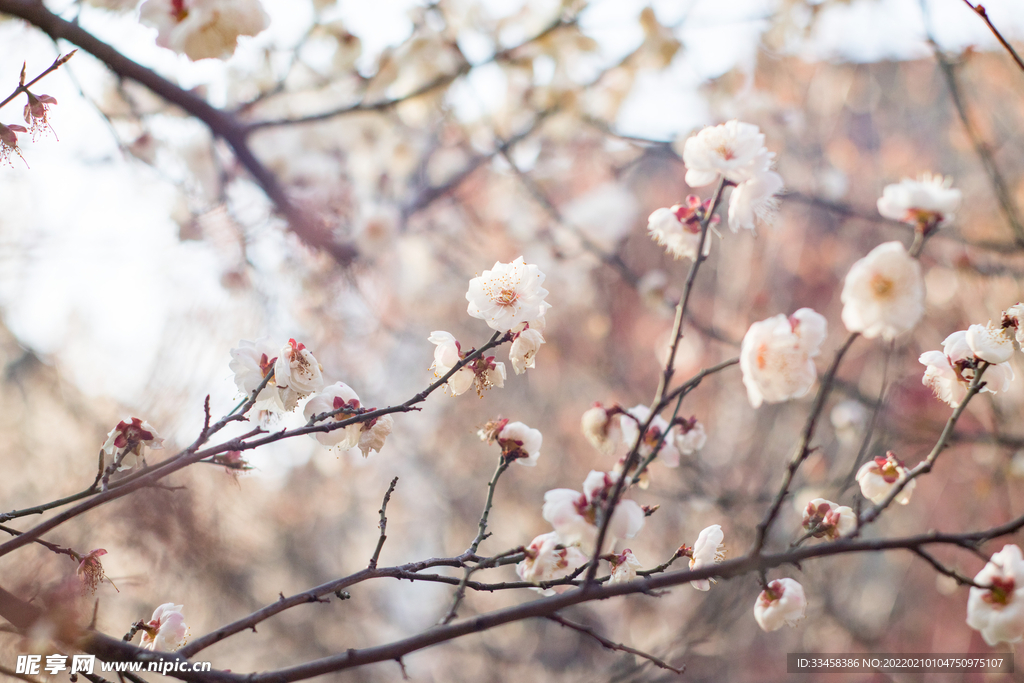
611, 645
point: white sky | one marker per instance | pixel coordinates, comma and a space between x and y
92, 271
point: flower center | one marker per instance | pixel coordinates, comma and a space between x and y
725, 152
881, 285
1002, 591
506, 297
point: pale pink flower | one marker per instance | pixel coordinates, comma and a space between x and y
518, 442
624, 567
948, 373
252, 362
37, 114
167, 630
203, 29
708, 550
90, 570
990, 343
374, 432
547, 559
484, 372
883, 294
689, 435
1012, 318
335, 397
9, 143
998, 611
828, 520
507, 295
754, 201
574, 515
877, 477
678, 229
524, 348
928, 202
776, 356
130, 437
602, 427
296, 373
669, 454
734, 150
782, 604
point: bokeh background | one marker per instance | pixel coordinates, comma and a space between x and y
135, 252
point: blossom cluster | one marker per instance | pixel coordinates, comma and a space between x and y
203, 29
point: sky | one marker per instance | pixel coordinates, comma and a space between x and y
93, 276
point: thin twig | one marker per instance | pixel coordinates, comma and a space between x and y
383, 524
979, 9
612, 645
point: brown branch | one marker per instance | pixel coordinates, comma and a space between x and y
612, 645
23, 86
979, 9
803, 449
383, 524
221, 123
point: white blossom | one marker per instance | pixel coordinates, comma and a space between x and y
776, 356
574, 515
847, 418
334, 397
252, 362
782, 604
630, 426
678, 229
689, 435
708, 550
374, 432
624, 567
130, 437
546, 561
828, 520
878, 476
929, 202
998, 611
518, 442
203, 29
483, 372
883, 295
166, 631
296, 373
507, 295
602, 428
734, 150
524, 348
948, 373
1012, 317
755, 200
990, 343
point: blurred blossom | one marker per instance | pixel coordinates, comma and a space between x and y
928, 202
998, 611
782, 603
848, 418
883, 294
202, 29
624, 567
776, 356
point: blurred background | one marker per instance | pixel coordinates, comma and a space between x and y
136, 252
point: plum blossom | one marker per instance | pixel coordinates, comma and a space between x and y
334, 397
126, 441
167, 630
928, 202
9, 143
883, 295
678, 228
878, 476
374, 432
203, 29
37, 113
706, 551
990, 343
689, 435
507, 295
252, 362
782, 603
296, 373
518, 442
754, 200
998, 611
825, 519
575, 515
547, 559
524, 348
948, 373
668, 455
484, 372
734, 150
90, 570
776, 356
624, 567
602, 427
847, 418
1012, 317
